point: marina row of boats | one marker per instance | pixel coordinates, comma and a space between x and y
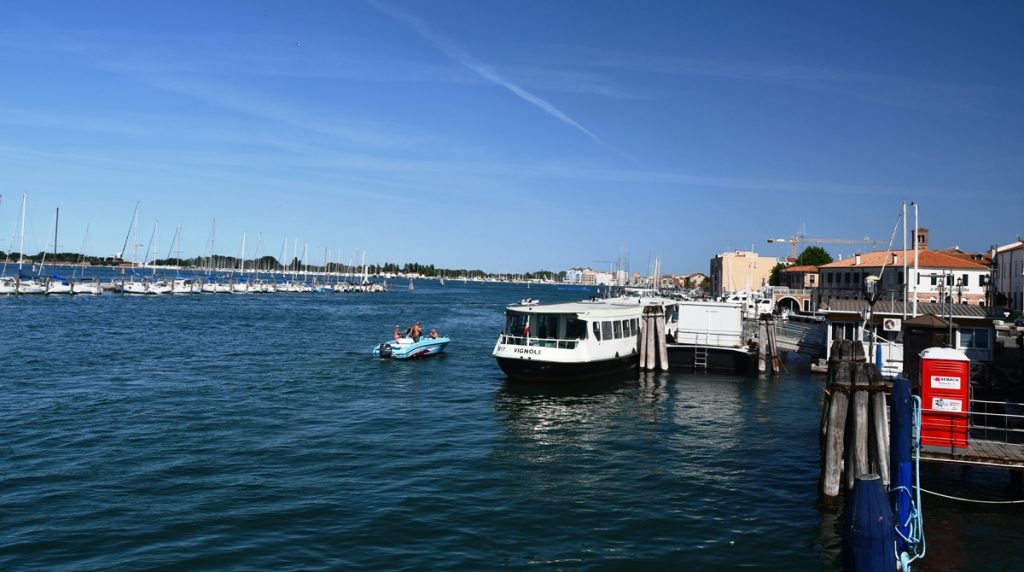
155, 285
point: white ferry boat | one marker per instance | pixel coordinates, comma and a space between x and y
569, 341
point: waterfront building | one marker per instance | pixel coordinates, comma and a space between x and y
883, 328
740, 271
940, 277
799, 277
692, 280
574, 276
590, 277
1008, 274
604, 279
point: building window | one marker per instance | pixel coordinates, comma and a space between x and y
844, 331
974, 339
965, 280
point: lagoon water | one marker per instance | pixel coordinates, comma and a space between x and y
255, 432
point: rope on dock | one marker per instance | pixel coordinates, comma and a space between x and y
978, 501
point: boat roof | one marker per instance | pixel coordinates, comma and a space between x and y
595, 307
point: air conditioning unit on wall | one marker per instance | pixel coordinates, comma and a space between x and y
892, 324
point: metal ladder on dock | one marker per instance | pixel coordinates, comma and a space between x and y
700, 354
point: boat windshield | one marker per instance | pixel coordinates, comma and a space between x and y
546, 330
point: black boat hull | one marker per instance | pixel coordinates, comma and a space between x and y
524, 369
724, 360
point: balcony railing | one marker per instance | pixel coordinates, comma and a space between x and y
534, 342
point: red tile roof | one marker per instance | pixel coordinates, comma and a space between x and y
926, 259
800, 269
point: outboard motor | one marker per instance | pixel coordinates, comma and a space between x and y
385, 351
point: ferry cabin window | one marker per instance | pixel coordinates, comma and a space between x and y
617, 325
597, 331
515, 324
575, 329
606, 330
547, 326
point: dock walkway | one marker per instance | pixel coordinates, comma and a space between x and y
978, 452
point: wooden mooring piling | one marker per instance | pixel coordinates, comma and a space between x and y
653, 344
854, 422
768, 348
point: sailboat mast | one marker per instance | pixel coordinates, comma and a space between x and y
284, 253
213, 236
917, 276
241, 268
131, 225
305, 264
56, 224
21, 245
906, 279
156, 236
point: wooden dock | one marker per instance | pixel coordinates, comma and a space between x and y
978, 452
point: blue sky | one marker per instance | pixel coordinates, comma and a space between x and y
510, 135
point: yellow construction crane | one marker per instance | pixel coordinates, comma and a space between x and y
797, 238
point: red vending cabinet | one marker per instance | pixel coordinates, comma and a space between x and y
945, 397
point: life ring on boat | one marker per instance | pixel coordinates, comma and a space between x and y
385, 351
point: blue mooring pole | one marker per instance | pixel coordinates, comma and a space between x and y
900, 462
869, 538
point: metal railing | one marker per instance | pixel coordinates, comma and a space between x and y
538, 342
780, 291
1000, 421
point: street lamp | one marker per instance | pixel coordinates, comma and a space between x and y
871, 293
871, 290
959, 291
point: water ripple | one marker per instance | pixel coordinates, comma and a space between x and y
249, 432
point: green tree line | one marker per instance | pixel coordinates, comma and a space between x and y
272, 264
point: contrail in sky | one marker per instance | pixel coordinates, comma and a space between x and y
483, 70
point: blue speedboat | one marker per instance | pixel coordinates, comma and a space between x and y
405, 348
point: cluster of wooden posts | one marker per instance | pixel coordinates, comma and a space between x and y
653, 345
768, 349
854, 421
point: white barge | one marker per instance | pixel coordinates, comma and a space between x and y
709, 336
